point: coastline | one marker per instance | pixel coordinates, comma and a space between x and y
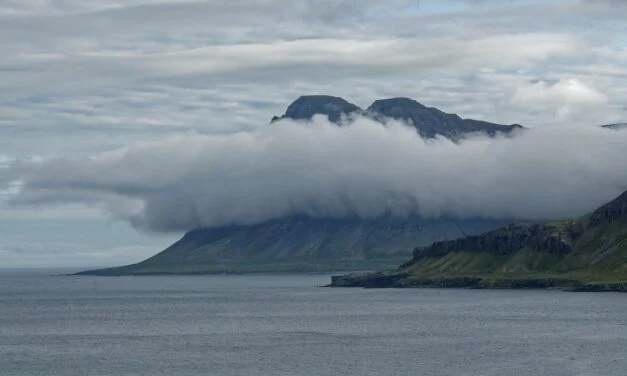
405, 280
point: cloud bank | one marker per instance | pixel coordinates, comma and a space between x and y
318, 169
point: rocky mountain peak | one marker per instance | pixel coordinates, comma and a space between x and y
391, 104
428, 121
305, 107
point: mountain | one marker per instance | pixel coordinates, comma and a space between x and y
305, 107
302, 244
309, 244
431, 122
588, 254
428, 121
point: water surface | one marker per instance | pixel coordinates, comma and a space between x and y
285, 325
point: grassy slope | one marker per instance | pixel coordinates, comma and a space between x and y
600, 258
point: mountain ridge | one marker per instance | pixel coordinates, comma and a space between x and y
430, 122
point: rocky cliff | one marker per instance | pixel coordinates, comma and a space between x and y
588, 254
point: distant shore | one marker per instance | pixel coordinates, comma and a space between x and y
404, 280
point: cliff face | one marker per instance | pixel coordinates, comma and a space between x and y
588, 254
555, 238
428, 121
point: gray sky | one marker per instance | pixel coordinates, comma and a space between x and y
82, 78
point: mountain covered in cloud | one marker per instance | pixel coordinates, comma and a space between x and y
428, 121
304, 243
305, 193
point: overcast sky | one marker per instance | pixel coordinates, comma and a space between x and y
80, 78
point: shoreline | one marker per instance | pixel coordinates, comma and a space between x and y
405, 280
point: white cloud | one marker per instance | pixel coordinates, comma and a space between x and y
567, 98
322, 170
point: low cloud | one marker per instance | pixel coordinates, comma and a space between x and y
318, 169
566, 97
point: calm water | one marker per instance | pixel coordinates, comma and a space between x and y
284, 325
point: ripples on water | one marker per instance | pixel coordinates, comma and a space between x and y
284, 325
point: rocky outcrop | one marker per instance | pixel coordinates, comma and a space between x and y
428, 121
431, 122
405, 280
373, 280
559, 238
305, 107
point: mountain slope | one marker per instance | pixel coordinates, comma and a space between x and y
302, 244
431, 122
587, 254
428, 121
305, 107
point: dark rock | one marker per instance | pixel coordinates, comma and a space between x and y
371, 280
552, 238
305, 107
616, 210
430, 121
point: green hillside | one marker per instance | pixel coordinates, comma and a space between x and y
588, 254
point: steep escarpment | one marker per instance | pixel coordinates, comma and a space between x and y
587, 254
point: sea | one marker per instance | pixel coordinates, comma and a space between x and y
289, 325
